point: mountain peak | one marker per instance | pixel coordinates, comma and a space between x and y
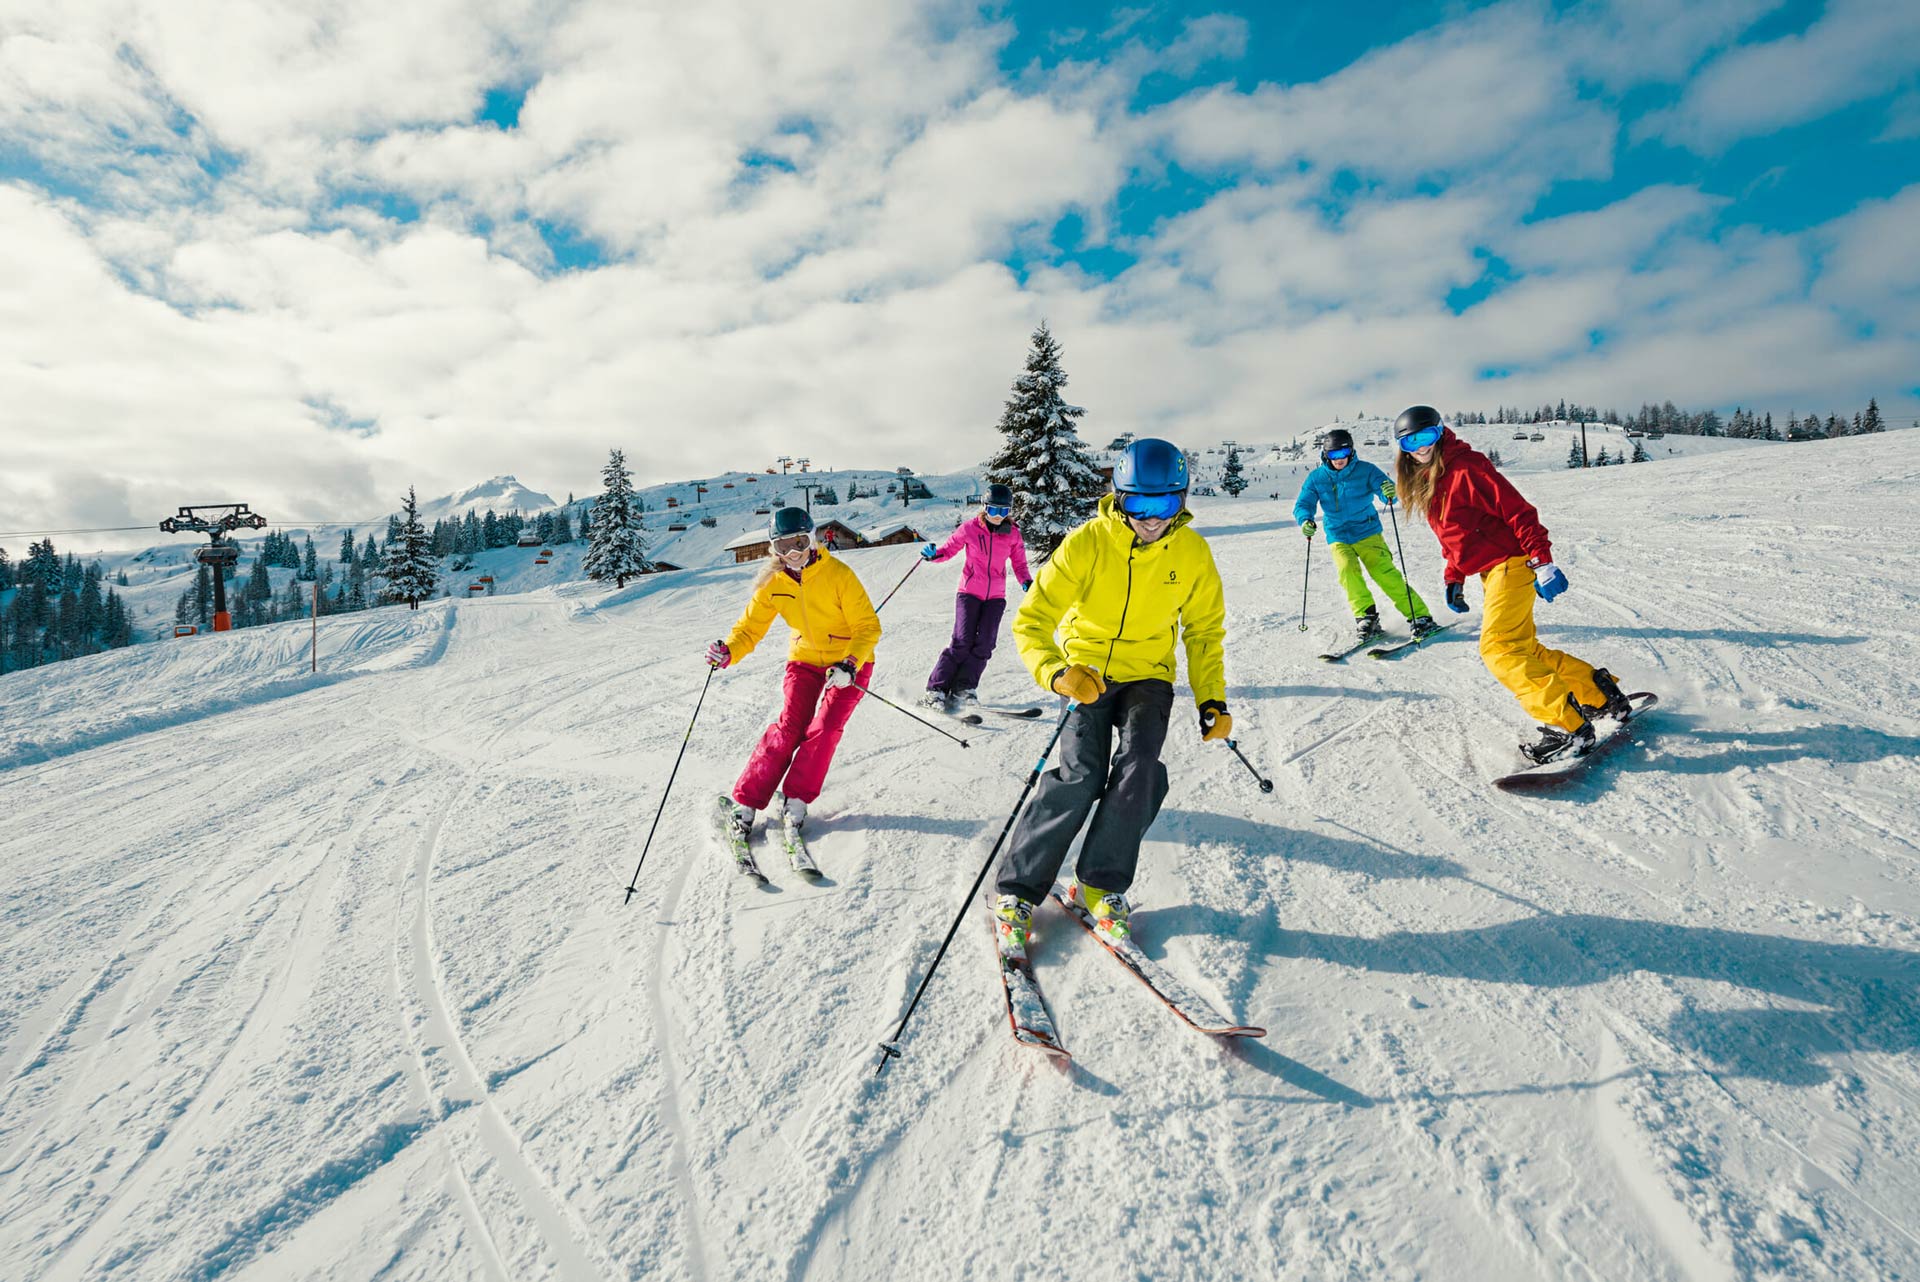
501, 493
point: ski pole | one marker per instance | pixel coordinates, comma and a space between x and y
635, 883
890, 1049
1303, 584
923, 721
1405, 581
901, 584
1266, 785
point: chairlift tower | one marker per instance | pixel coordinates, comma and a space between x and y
216, 521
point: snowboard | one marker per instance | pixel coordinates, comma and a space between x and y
1608, 735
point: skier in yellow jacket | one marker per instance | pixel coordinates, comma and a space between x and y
1119, 591
835, 631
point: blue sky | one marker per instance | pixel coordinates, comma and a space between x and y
747, 228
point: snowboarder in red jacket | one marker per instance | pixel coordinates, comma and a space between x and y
1487, 528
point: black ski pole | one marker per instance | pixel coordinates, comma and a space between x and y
901, 584
1405, 580
1303, 584
902, 711
890, 1049
1266, 785
635, 883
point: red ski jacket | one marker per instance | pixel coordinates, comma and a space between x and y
1480, 519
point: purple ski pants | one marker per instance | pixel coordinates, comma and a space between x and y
794, 752
976, 630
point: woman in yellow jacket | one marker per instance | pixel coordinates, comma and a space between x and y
1118, 591
835, 631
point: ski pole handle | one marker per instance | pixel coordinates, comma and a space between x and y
903, 712
1266, 785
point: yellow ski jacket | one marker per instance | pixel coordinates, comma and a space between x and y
1119, 606
826, 607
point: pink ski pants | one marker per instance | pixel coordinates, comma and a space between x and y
796, 750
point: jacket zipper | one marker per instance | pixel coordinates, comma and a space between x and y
1125, 603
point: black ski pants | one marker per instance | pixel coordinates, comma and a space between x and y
1122, 788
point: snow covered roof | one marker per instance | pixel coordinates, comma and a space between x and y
875, 533
747, 540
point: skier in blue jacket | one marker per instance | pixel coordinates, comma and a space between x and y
1343, 487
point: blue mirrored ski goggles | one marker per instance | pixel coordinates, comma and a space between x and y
1344, 451
997, 512
1153, 507
1419, 440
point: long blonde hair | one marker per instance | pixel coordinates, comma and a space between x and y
1416, 481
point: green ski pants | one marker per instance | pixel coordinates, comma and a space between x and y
1371, 552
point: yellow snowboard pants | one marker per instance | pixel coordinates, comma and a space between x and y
1372, 553
1540, 678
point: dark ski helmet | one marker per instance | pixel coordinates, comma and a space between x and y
1417, 418
1338, 439
1151, 466
999, 495
789, 521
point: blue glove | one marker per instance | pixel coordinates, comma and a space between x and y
1549, 581
1457, 597
1027, 586
928, 552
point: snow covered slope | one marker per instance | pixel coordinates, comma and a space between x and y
337, 981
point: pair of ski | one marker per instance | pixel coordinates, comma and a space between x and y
973, 716
1033, 1025
741, 851
1383, 651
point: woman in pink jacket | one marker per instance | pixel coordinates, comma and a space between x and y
991, 541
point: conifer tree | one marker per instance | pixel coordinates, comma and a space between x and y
1871, 421
616, 540
1043, 461
1575, 458
410, 572
1233, 478
1640, 454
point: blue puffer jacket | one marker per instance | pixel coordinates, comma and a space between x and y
1346, 497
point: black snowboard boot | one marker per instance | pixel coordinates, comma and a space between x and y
1617, 705
1555, 743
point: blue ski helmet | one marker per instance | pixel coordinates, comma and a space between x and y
1151, 466
789, 521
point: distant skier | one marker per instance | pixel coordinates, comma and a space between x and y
1343, 487
835, 632
1118, 590
991, 544
1486, 528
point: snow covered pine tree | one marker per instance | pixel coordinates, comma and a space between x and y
1055, 487
410, 570
616, 543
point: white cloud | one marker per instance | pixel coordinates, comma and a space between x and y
1620, 233
1855, 51
1489, 90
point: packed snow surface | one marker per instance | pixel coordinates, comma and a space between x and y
332, 976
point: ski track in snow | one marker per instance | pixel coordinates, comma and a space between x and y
335, 977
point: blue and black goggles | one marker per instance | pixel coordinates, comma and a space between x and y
1343, 451
998, 511
1152, 507
1413, 442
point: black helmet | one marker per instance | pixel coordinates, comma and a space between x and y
999, 495
1338, 439
789, 521
1417, 418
